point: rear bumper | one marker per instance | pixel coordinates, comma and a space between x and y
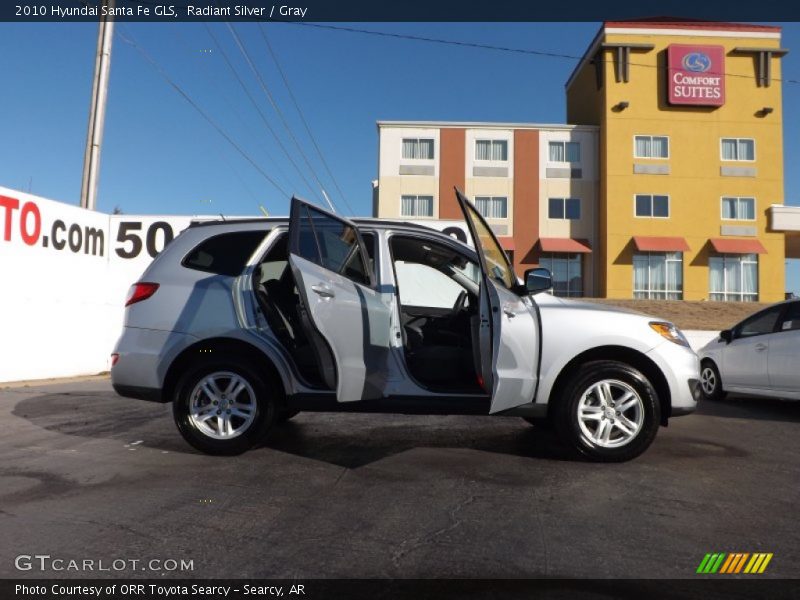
144, 357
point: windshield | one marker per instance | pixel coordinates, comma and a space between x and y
496, 260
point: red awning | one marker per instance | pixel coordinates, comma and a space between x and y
506, 242
564, 245
734, 246
660, 244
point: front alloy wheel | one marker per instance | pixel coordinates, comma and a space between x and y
609, 411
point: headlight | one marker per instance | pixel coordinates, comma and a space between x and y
670, 332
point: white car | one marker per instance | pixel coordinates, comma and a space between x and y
759, 357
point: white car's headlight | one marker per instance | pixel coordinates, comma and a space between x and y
669, 331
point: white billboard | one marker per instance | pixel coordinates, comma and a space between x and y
65, 275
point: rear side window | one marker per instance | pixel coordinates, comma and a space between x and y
224, 254
791, 320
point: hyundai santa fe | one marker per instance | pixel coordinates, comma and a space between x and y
242, 324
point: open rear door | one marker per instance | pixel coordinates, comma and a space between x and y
508, 335
342, 314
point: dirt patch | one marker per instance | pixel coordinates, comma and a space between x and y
690, 315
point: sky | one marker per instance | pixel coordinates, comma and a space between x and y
161, 156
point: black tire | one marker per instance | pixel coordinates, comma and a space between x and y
711, 382
644, 414
286, 414
266, 396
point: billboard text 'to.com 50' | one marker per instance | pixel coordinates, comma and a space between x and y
34, 222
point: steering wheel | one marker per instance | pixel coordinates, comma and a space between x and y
460, 303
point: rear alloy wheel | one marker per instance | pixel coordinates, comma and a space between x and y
223, 408
710, 381
609, 412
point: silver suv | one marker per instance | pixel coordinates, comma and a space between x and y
241, 324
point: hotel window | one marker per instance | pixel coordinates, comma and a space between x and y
569, 152
651, 206
567, 273
733, 277
742, 209
738, 149
416, 206
564, 208
651, 146
494, 150
418, 148
492, 207
658, 276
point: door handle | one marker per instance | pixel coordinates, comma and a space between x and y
509, 312
323, 291
760, 347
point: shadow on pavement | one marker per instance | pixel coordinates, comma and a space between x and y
349, 440
747, 407
353, 440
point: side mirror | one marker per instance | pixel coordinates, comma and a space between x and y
538, 280
726, 335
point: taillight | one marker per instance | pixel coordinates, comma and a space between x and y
140, 291
114, 359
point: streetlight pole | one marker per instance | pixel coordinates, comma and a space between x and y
97, 110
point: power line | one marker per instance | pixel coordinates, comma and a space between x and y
258, 109
275, 106
232, 108
303, 118
479, 46
131, 42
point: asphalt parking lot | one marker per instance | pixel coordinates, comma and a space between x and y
87, 474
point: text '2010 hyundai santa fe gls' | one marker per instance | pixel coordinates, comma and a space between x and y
242, 324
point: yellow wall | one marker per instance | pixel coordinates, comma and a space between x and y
391, 190
695, 185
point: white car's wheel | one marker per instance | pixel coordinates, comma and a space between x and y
609, 412
710, 381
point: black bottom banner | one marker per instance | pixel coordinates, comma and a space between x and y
377, 589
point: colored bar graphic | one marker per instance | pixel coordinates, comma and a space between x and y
733, 563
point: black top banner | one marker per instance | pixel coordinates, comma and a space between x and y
407, 10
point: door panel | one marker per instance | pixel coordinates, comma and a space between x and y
745, 363
784, 351
326, 254
508, 328
515, 350
745, 358
784, 361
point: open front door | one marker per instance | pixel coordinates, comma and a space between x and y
508, 335
342, 314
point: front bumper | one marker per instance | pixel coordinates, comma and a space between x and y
681, 368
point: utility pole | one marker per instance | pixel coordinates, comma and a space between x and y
97, 110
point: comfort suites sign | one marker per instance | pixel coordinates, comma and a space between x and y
696, 75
